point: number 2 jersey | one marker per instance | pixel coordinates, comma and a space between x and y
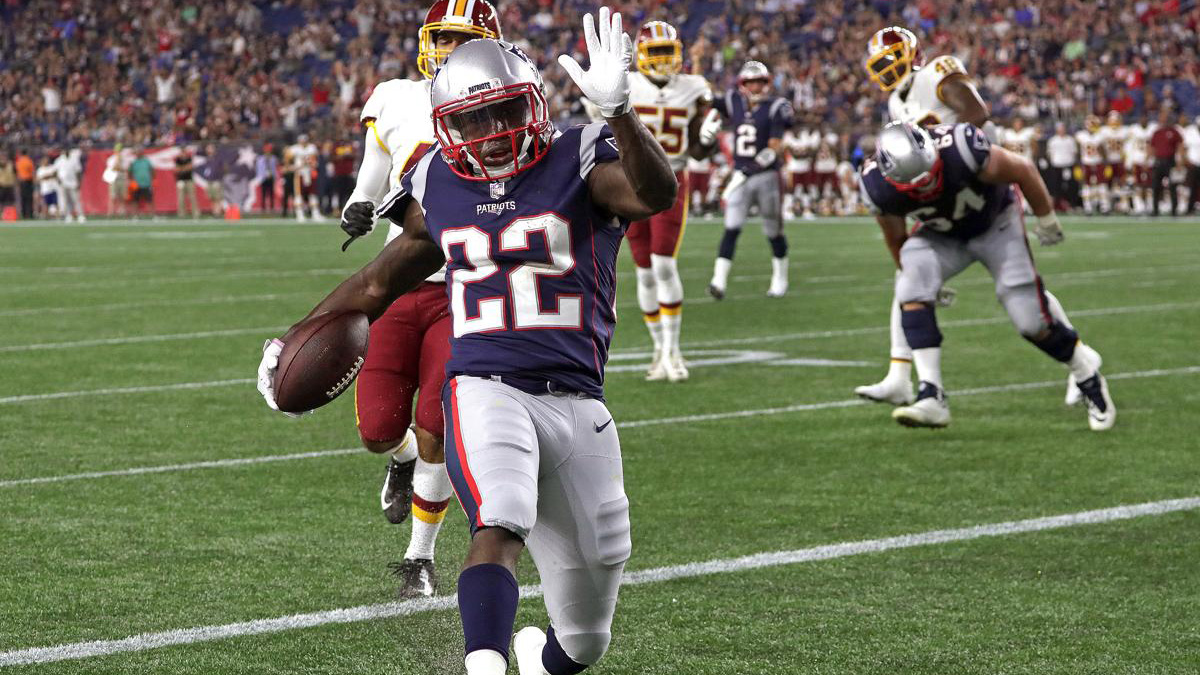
531, 263
753, 127
965, 207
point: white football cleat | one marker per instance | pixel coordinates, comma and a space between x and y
1102, 414
930, 410
675, 368
527, 645
656, 371
888, 390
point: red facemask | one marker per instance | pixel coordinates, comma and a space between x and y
494, 134
927, 187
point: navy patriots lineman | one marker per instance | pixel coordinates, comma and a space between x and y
937, 92
528, 222
410, 343
959, 189
759, 121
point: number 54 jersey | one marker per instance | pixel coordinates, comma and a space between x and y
531, 264
964, 205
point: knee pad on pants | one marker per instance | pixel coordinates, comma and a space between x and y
1025, 307
583, 648
509, 504
666, 271
920, 327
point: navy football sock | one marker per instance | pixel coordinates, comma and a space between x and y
920, 327
778, 246
555, 660
487, 602
728, 244
1059, 344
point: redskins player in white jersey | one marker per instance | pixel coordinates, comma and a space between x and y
672, 105
1137, 163
409, 344
1020, 139
1115, 134
937, 92
1091, 155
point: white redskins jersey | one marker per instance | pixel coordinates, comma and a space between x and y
1091, 147
667, 111
918, 99
1020, 142
403, 127
1137, 144
1114, 143
800, 146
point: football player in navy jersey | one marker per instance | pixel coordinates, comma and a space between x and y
958, 187
759, 121
528, 222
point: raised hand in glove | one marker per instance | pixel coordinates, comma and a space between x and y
606, 82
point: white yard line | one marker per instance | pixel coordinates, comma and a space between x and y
211, 464
113, 306
124, 390
632, 424
145, 641
139, 339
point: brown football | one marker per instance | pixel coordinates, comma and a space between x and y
320, 360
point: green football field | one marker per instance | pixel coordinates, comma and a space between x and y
156, 517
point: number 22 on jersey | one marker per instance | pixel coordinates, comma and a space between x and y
475, 245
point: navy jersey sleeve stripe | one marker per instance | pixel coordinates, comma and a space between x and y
963, 145
587, 147
420, 173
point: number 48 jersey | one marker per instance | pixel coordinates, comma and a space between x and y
753, 127
965, 207
531, 263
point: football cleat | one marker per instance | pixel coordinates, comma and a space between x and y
396, 496
778, 287
418, 579
1074, 396
657, 369
717, 292
1102, 414
888, 390
930, 410
527, 645
675, 368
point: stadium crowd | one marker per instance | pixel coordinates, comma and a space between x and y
147, 73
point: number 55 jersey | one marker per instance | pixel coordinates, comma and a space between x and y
530, 265
959, 204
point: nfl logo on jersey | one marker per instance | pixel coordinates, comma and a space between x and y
496, 190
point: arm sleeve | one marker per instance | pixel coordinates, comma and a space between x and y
781, 117
596, 146
721, 106
373, 174
865, 194
972, 146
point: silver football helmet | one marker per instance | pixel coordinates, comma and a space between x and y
908, 159
489, 111
754, 71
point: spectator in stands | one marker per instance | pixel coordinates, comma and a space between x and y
213, 173
1062, 152
141, 179
8, 183
26, 172
1165, 144
1191, 144
265, 168
185, 183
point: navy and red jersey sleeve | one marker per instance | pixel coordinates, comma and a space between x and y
972, 145
596, 146
780, 117
721, 105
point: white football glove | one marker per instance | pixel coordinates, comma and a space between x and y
266, 375
1048, 230
606, 82
765, 157
710, 127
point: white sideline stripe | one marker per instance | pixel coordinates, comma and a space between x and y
210, 464
1020, 386
136, 339
145, 641
125, 390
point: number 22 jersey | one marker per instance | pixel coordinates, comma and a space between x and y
531, 263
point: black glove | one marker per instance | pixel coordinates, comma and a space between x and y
359, 219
